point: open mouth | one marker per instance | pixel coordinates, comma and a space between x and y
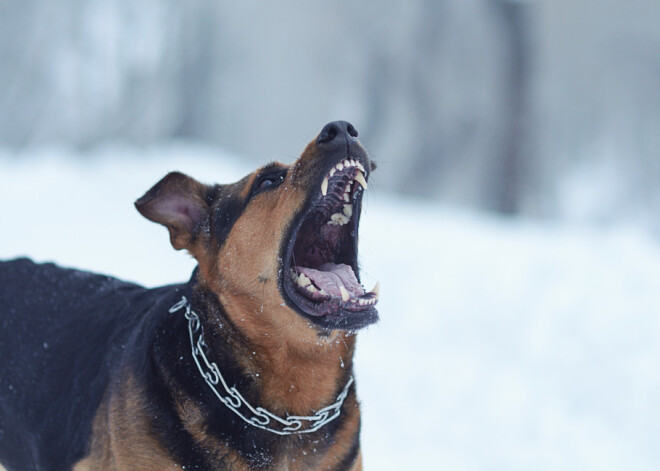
321, 276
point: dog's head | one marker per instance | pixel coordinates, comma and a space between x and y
279, 247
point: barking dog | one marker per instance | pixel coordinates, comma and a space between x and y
246, 366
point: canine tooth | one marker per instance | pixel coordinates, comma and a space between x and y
361, 180
348, 210
345, 296
376, 289
359, 165
303, 280
324, 186
339, 166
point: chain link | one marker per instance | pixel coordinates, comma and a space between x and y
255, 416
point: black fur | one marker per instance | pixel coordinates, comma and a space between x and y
69, 338
68, 335
171, 353
63, 335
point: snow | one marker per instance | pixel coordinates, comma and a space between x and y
503, 344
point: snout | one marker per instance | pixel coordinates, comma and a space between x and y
336, 134
319, 271
336, 144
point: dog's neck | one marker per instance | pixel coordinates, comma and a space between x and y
296, 377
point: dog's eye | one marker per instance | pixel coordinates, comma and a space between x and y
268, 181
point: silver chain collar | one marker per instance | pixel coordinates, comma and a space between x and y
255, 416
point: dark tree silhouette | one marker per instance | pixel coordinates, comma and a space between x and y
512, 169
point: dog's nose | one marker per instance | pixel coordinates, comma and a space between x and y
336, 131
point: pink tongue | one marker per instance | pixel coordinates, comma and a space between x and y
329, 277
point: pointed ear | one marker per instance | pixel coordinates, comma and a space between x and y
178, 202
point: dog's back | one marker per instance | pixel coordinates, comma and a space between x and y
59, 330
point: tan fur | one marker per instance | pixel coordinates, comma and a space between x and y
288, 353
298, 371
195, 423
121, 438
342, 443
358, 462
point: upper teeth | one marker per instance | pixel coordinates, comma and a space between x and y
361, 180
348, 210
339, 219
359, 176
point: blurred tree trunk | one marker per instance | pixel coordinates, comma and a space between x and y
511, 171
425, 95
195, 71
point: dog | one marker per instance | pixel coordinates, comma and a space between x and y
246, 366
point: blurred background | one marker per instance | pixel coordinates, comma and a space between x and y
514, 217
548, 108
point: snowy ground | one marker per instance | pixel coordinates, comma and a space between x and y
502, 344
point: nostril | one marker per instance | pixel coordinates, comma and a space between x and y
328, 133
332, 131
